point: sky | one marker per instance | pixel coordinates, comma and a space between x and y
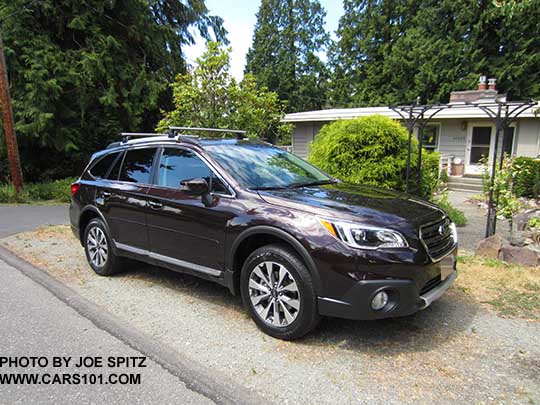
239, 19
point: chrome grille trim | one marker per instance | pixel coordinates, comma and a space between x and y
437, 244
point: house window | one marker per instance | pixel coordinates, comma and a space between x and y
508, 141
430, 137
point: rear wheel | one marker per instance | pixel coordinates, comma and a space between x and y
98, 249
277, 290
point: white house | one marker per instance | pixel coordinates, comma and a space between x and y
460, 135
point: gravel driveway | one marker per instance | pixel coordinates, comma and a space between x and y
453, 352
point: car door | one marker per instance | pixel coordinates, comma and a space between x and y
182, 230
123, 199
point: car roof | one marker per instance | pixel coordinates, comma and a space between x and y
183, 139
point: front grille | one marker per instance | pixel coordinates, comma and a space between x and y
438, 238
431, 284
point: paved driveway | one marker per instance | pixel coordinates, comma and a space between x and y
474, 231
20, 218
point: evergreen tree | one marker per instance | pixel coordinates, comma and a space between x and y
393, 51
288, 39
82, 71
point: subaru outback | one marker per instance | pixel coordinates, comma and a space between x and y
294, 242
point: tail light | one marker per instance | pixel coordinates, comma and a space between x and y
74, 188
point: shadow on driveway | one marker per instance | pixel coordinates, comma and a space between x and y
421, 332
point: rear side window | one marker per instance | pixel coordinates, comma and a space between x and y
100, 169
115, 171
137, 165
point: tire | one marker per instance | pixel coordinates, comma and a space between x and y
295, 298
104, 262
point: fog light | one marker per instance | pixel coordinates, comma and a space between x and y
379, 301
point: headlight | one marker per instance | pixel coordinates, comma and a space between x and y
364, 236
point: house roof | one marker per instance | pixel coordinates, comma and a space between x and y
456, 110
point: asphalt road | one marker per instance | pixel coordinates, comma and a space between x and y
36, 323
20, 218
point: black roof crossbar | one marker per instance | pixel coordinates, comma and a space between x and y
174, 131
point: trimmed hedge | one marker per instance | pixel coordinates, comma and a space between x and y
372, 150
526, 176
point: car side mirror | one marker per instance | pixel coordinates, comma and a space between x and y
195, 186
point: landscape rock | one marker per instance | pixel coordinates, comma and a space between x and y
521, 220
490, 247
518, 240
519, 255
535, 248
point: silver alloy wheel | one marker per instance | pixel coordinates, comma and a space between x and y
98, 248
274, 294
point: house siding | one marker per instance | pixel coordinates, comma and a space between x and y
303, 134
527, 141
452, 139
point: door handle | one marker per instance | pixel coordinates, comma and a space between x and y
106, 194
155, 205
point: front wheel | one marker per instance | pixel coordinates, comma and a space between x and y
278, 291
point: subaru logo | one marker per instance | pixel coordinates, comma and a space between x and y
442, 230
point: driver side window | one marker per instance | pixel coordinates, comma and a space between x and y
177, 165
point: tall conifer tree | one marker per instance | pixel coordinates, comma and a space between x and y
285, 55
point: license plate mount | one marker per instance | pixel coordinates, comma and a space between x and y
447, 265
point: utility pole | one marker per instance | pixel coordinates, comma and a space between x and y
9, 124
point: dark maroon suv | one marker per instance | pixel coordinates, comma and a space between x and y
296, 243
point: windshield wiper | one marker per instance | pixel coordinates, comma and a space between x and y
312, 183
296, 185
269, 188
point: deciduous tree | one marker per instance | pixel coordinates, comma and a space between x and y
210, 97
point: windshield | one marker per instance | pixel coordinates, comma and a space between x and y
266, 167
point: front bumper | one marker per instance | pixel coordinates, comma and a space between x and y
406, 296
437, 292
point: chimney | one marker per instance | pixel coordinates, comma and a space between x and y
482, 83
492, 83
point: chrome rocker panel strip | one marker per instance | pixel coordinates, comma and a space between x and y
171, 260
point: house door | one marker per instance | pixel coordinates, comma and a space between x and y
480, 146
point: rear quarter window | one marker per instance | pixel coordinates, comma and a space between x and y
100, 169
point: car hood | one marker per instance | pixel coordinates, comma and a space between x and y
369, 205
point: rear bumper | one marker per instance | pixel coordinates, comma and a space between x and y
404, 299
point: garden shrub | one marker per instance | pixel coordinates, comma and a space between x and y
372, 150
457, 216
526, 176
58, 190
